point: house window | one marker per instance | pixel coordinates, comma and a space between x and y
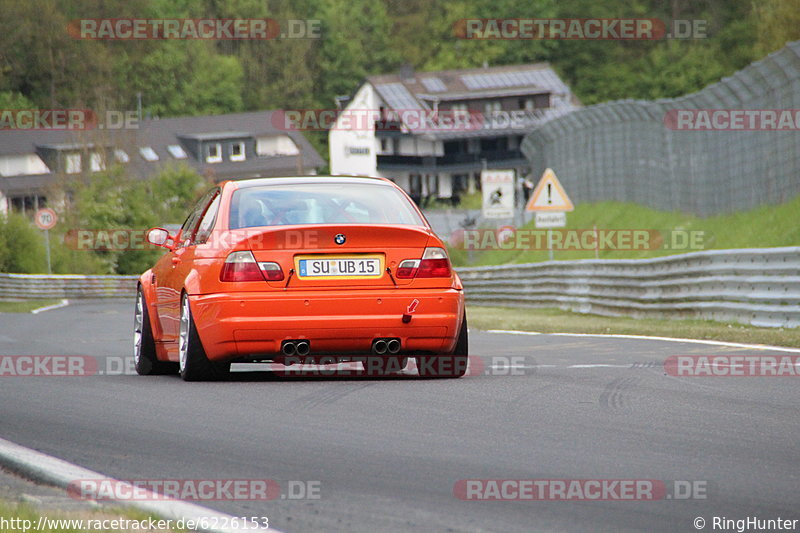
528, 104
73, 163
177, 151
27, 204
237, 151
276, 145
492, 107
542, 100
96, 162
122, 156
492, 144
148, 153
459, 110
214, 154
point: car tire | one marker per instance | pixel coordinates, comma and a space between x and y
194, 365
447, 366
144, 344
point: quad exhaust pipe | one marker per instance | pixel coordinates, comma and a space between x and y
384, 346
379, 346
296, 347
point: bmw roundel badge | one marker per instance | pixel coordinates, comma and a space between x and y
339, 239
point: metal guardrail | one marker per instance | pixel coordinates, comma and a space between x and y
752, 286
22, 286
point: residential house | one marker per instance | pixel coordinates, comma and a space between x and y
433, 132
34, 164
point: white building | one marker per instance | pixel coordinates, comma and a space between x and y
433, 132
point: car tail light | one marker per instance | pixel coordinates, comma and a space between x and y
272, 271
241, 266
407, 269
434, 264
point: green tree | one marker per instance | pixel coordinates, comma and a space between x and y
355, 43
13, 100
109, 201
777, 22
186, 78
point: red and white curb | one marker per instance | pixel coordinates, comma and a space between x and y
62, 303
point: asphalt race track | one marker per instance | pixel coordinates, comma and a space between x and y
387, 453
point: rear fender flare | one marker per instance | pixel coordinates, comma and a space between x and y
192, 284
149, 291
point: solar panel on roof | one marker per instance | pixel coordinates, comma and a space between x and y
545, 78
434, 84
397, 96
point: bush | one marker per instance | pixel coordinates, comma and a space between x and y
21, 246
106, 201
110, 201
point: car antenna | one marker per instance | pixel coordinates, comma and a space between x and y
291, 273
389, 271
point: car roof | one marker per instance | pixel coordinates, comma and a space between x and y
306, 180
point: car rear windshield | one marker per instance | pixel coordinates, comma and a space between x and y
320, 203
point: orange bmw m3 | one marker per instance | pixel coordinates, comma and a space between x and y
288, 270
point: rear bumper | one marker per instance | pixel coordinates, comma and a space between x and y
239, 325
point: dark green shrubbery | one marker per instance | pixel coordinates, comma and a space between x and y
104, 201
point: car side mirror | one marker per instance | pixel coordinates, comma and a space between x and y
160, 237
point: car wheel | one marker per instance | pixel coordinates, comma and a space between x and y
144, 345
194, 365
447, 366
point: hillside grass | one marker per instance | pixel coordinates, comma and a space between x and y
764, 227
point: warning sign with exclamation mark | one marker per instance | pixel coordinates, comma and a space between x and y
549, 195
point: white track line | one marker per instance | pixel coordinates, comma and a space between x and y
647, 337
63, 303
50, 470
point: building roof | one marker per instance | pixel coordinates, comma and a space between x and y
418, 91
158, 134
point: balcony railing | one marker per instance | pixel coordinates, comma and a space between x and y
459, 158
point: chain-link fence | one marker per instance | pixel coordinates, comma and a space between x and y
631, 151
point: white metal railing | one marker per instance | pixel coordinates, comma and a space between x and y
752, 286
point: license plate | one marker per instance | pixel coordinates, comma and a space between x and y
340, 267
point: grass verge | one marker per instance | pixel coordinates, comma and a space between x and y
25, 306
21, 517
558, 321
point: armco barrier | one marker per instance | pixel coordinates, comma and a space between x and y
752, 286
66, 286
